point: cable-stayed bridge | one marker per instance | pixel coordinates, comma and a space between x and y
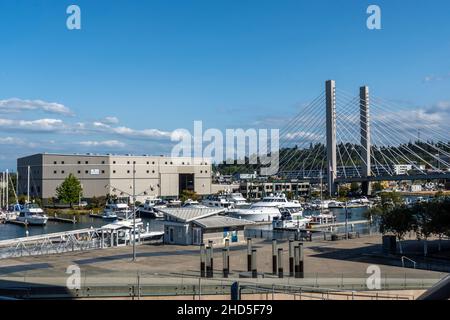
340, 137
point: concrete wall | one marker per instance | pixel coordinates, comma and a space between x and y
110, 174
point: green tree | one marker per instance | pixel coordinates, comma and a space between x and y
377, 187
70, 190
398, 221
354, 187
188, 194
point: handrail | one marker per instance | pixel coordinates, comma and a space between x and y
411, 260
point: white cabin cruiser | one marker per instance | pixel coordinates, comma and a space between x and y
238, 200
32, 214
189, 203
268, 208
151, 206
218, 202
287, 221
113, 210
360, 202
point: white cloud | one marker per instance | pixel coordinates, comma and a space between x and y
435, 78
15, 105
14, 141
40, 125
110, 120
106, 143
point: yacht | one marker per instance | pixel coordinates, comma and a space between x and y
287, 221
113, 211
269, 208
238, 200
151, 207
360, 202
32, 214
189, 203
218, 202
336, 205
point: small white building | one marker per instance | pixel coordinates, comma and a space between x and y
194, 226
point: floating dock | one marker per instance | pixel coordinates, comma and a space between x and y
64, 220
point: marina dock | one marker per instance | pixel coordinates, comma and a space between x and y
63, 220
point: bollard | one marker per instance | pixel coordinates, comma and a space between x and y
253, 263
301, 261
249, 254
280, 263
227, 246
211, 265
208, 262
297, 261
235, 292
202, 260
274, 256
225, 262
291, 258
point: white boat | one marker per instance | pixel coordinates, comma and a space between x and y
269, 208
113, 211
238, 200
323, 218
32, 214
360, 202
151, 206
218, 202
287, 221
336, 205
189, 203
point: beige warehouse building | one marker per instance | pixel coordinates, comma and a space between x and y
157, 176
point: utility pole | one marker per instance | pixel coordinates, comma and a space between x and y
28, 184
134, 211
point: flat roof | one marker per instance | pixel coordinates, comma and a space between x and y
190, 214
107, 155
221, 222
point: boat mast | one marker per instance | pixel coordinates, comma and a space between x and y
7, 189
28, 184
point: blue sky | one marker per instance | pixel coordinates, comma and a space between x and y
139, 69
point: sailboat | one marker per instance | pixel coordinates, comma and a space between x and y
31, 213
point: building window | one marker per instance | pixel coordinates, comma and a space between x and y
62, 171
166, 162
79, 171
148, 171
54, 162
134, 162
128, 171
206, 171
86, 172
171, 162
114, 171
62, 162
54, 172
148, 162
79, 162
128, 162
103, 171
153, 162
201, 171
87, 162
103, 162
153, 171
114, 162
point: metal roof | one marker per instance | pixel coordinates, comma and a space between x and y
221, 222
190, 214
